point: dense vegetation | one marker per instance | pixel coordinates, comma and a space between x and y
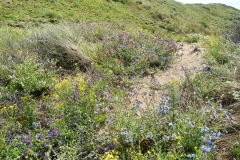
68, 71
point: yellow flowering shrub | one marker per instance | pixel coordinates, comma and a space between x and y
110, 155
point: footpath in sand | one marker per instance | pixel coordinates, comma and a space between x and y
189, 58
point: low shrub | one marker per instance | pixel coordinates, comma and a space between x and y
31, 77
192, 38
128, 54
170, 29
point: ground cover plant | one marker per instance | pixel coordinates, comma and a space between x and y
66, 89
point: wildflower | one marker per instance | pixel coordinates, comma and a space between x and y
204, 129
100, 151
108, 122
83, 131
191, 156
51, 129
59, 105
179, 138
40, 137
150, 135
26, 141
138, 113
44, 144
36, 124
206, 148
124, 133
139, 154
12, 106
141, 128
27, 131
165, 138
38, 155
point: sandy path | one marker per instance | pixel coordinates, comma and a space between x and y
151, 88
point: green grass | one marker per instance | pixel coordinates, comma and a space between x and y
173, 16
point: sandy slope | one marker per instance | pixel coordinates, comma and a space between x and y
189, 58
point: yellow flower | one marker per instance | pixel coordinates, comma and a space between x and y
111, 155
81, 83
3, 109
23, 98
173, 82
179, 138
56, 96
62, 83
139, 154
200, 124
59, 105
59, 119
54, 79
12, 106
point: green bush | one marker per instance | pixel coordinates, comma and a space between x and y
170, 29
192, 38
31, 76
128, 54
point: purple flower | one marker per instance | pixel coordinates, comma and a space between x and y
25, 151
54, 134
83, 132
27, 131
50, 136
38, 155
26, 141
52, 129
40, 137
100, 151
44, 144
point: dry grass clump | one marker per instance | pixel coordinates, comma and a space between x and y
63, 43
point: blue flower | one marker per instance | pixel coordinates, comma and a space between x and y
204, 129
191, 156
150, 135
206, 148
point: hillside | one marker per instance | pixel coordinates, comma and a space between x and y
154, 15
119, 80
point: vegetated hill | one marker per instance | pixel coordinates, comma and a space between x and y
154, 15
